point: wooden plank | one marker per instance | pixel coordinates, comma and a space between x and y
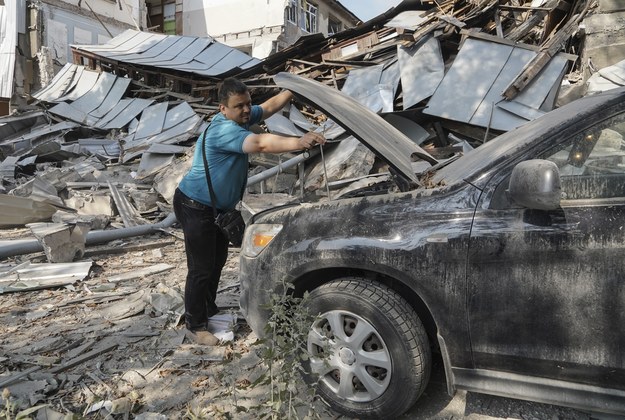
158, 268
520, 31
549, 49
81, 359
18, 376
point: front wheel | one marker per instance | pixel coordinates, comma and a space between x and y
368, 349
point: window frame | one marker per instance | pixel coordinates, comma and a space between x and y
308, 16
292, 12
332, 21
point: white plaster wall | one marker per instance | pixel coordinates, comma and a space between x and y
133, 12
219, 17
261, 45
8, 42
62, 28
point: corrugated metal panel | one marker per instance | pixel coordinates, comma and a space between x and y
157, 49
177, 114
94, 97
123, 113
59, 84
84, 84
129, 113
482, 70
183, 57
29, 140
202, 56
422, 69
181, 123
364, 85
410, 19
8, 42
94, 106
152, 120
65, 110
114, 96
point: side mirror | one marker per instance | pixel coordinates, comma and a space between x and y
535, 184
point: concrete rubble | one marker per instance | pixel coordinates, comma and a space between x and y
92, 318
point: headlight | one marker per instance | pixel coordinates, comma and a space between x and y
257, 237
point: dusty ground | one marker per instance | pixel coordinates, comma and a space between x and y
98, 347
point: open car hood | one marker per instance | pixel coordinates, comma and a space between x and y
383, 139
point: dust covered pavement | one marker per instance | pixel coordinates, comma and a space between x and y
99, 348
120, 345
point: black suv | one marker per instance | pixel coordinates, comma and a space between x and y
509, 261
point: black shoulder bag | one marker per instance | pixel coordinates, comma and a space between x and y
230, 222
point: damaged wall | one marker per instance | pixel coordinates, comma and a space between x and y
45, 32
11, 22
259, 26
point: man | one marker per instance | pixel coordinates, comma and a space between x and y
228, 141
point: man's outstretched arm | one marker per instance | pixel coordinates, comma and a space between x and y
273, 143
276, 103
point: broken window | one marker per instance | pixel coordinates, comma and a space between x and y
334, 26
291, 11
308, 21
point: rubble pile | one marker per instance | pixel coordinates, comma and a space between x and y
98, 153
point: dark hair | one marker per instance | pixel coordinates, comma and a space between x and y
229, 87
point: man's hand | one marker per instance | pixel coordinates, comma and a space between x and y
310, 139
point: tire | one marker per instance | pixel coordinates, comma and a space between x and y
368, 349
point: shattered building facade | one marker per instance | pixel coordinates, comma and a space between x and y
36, 36
261, 29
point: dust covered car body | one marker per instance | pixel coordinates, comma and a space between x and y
507, 261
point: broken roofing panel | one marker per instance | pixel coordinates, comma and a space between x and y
60, 83
473, 86
152, 120
411, 129
40, 276
113, 97
607, 78
152, 162
279, 124
7, 167
21, 143
172, 52
95, 96
180, 123
364, 85
183, 53
127, 114
17, 211
85, 82
102, 148
422, 69
120, 114
410, 19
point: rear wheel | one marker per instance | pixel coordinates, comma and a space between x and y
368, 348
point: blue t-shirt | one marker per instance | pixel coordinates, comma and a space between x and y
227, 162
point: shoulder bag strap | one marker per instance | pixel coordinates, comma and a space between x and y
208, 176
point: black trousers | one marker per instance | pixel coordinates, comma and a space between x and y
207, 250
